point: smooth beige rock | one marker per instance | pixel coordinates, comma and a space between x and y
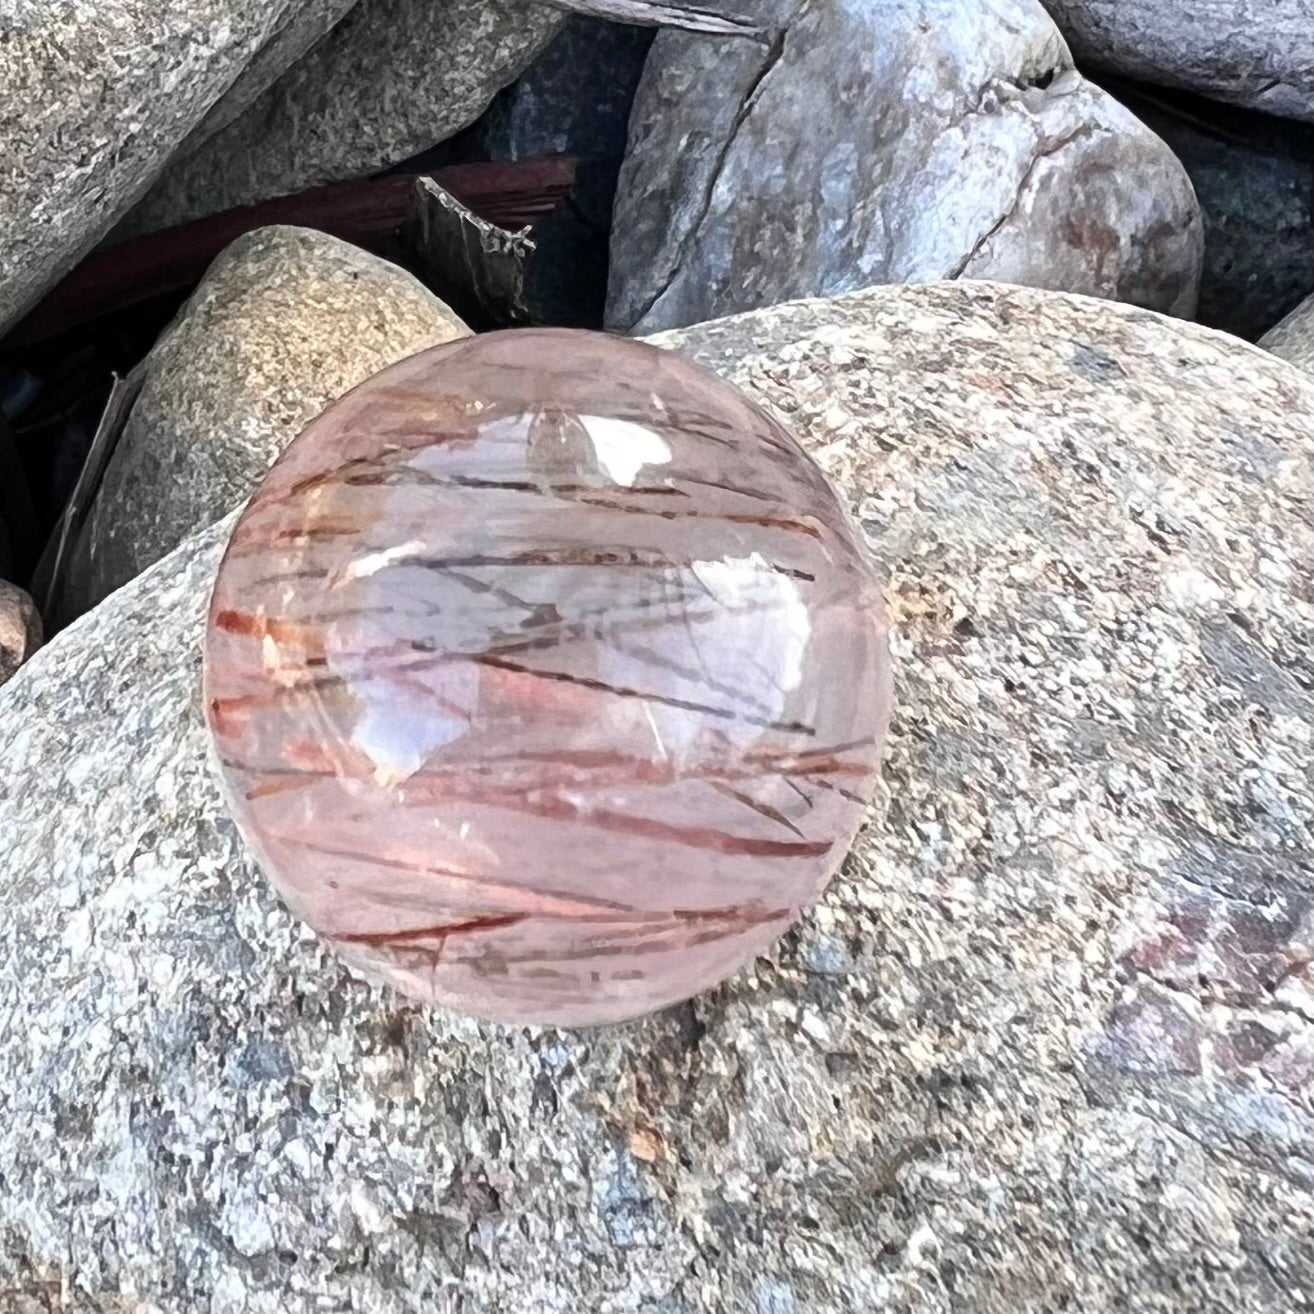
1258, 53
393, 78
889, 141
1293, 338
20, 629
286, 321
1046, 1044
94, 97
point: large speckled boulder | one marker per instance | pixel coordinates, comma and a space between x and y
286, 321
394, 78
94, 97
889, 141
1252, 52
1046, 1044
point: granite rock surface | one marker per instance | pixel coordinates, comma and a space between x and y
392, 79
304, 27
286, 321
887, 141
95, 95
1047, 1042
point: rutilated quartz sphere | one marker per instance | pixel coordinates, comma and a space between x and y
547, 676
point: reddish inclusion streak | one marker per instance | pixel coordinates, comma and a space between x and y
271, 627
717, 923
223, 711
589, 770
551, 805
441, 931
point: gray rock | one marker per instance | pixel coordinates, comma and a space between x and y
1251, 52
286, 321
574, 99
1293, 338
1045, 1044
393, 78
880, 141
1254, 177
94, 97
20, 629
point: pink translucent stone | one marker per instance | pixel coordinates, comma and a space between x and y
548, 677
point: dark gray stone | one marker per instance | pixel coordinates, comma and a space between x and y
574, 99
1254, 177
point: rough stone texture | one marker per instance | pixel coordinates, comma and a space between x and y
304, 27
20, 629
393, 78
888, 141
1046, 1044
286, 321
94, 96
1252, 52
1254, 177
1293, 338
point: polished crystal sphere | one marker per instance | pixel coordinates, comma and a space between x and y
547, 676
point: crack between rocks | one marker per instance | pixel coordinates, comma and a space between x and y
751, 97
1051, 149
662, 13
1287, 1010
1226, 1154
1094, 1101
